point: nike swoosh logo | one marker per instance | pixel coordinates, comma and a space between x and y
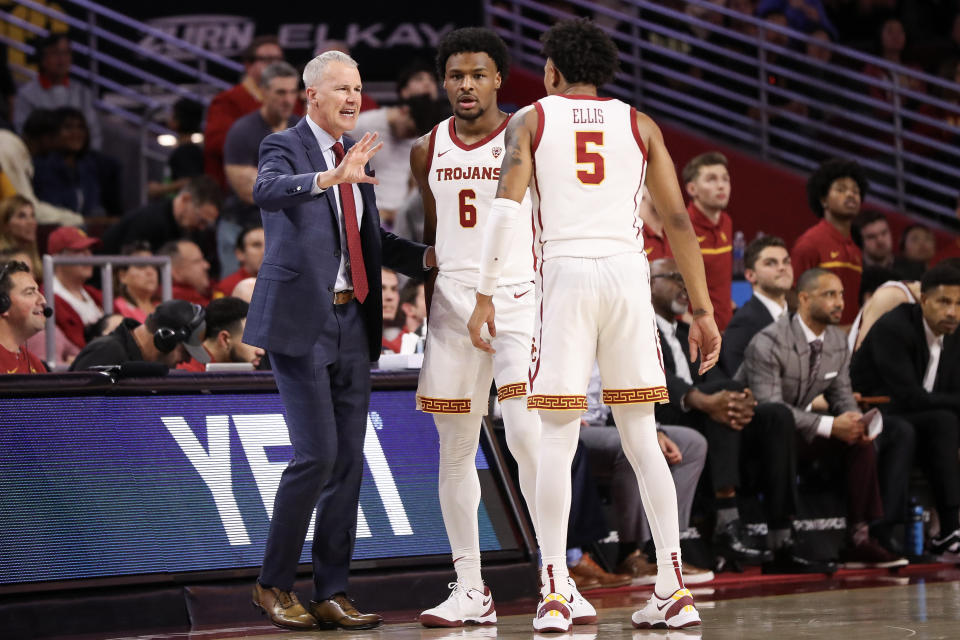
665, 604
486, 602
521, 295
447, 151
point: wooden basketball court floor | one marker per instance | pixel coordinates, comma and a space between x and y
921, 603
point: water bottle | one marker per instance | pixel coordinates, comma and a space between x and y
915, 529
739, 245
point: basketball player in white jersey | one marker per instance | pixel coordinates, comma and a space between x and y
589, 158
457, 167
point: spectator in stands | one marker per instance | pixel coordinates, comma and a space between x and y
912, 355
186, 160
21, 317
685, 451
409, 221
16, 164
918, 246
801, 356
249, 256
244, 289
7, 92
241, 152
76, 304
190, 271
802, 15
893, 43
18, 229
888, 295
172, 334
53, 88
230, 105
835, 192
193, 210
226, 318
875, 238
390, 292
655, 243
410, 320
768, 269
136, 285
72, 176
398, 128
736, 429
707, 182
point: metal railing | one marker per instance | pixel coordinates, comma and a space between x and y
106, 264
753, 83
115, 63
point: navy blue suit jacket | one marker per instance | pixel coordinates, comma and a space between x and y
749, 320
292, 305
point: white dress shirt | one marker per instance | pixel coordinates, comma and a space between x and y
668, 331
325, 140
935, 344
825, 427
775, 308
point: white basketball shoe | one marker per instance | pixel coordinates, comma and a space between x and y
462, 606
674, 612
582, 611
553, 614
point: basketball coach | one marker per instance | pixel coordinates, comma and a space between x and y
316, 309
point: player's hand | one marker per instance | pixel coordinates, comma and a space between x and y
352, 168
483, 314
705, 340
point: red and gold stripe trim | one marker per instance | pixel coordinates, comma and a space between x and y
443, 405
513, 390
557, 403
635, 396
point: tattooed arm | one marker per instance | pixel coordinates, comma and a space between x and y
514, 178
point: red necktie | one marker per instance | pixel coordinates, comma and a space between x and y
358, 272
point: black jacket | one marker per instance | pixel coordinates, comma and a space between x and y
893, 360
116, 347
748, 321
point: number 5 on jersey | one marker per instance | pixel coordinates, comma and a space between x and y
586, 156
468, 211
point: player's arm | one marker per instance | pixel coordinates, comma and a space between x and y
668, 200
419, 163
515, 176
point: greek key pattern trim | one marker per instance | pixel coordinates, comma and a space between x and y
512, 390
635, 396
557, 403
443, 405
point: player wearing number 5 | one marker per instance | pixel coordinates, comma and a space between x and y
457, 167
588, 158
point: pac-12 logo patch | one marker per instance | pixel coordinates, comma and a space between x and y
496, 151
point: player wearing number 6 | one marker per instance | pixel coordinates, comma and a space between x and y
588, 158
457, 167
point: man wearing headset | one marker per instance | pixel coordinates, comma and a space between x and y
172, 334
22, 315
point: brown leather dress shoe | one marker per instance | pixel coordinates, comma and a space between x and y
282, 608
588, 568
339, 612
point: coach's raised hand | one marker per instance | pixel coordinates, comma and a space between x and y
352, 169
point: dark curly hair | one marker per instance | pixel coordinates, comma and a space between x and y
581, 51
473, 40
818, 184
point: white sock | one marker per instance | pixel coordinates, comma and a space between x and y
522, 429
638, 435
460, 493
558, 444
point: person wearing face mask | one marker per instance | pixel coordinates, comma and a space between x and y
226, 318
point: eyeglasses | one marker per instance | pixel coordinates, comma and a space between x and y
676, 276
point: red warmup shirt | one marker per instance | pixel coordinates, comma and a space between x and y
822, 245
225, 109
225, 287
655, 246
20, 361
716, 245
188, 293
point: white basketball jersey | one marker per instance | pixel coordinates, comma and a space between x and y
463, 179
589, 166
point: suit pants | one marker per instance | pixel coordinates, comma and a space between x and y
858, 464
607, 459
763, 451
895, 451
326, 397
937, 435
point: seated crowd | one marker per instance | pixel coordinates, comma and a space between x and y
839, 324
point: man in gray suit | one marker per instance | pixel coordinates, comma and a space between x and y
800, 357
